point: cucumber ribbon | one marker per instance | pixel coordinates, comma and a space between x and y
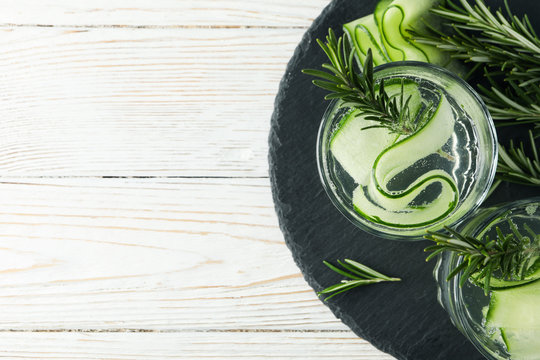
393, 208
386, 33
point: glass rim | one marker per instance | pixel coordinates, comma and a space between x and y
413, 234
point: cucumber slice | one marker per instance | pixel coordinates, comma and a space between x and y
378, 204
398, 213
357, 148
522, 345
374, 156
390, 26
381, 6
385, 32
515, 313
364, 34
496, 283
396, 19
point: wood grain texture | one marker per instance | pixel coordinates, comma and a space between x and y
187, 345
162, 13
137, 88
148, 254
121, 102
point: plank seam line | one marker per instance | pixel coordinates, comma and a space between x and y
150, 26
132, 330
125, 177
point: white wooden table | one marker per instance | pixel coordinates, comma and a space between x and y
136, 214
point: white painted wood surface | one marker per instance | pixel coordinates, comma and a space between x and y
161, 13
147, 102
136, 215
186, 345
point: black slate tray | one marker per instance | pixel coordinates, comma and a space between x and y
403, 319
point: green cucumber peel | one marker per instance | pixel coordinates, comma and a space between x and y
399, 43
513, 318
386, 32
364, 34
380, 55
396, 205
501, 284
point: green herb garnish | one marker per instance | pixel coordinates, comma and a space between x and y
358, 274
498, 45
357, 89
503, 47
516, 166
510, 256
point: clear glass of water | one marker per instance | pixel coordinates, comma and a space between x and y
398, 187
467, 305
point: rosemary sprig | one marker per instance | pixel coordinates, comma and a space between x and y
500, 46
357, 89
509, 255
358, 274
516, 166
503, 47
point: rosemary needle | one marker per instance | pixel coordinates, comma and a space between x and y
358, 274
516, 166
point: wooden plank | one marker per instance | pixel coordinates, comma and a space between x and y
197, 254
121, 102
188, 345
162, 13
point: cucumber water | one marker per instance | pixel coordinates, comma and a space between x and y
512, 315
505, 324
403, 184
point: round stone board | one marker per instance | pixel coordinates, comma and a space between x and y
403, 319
